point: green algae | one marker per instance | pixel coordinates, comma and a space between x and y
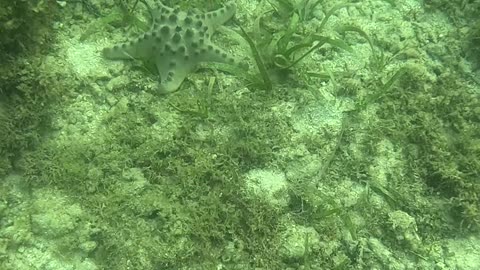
367, 169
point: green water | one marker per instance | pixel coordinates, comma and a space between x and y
282, 134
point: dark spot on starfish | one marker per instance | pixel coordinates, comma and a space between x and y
163, 18
196, 53
176, 9
222, 10
210, 47
215, 14
176, 38
189, 33
201, 41
194, 45
209, 15
203, 50
172, 64
231, 60
217, 51
178, 29
198, 24
172, 18
202, 16
205, 28
188, 20
158, 39
224, 55
124, 46
186, 58
181, 49
165, 30
167, 47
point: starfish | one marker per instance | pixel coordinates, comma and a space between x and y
176, 43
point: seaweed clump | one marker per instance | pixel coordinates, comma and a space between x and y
24, 25
25, 28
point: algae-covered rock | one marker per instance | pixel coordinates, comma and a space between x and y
298, 241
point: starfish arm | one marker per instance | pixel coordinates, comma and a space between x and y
161, 9
172, 82
213, 53
218, 17
119, 52
173, 72
161, 13
140, 48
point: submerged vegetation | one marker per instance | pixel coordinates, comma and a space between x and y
24, 26
362, 154
276, 49
25, 97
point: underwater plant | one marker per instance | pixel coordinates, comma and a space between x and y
277, 50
